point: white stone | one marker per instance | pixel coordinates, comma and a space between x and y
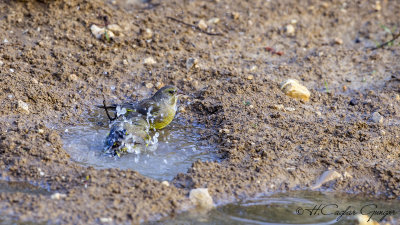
165, 183
58, 196
99, 32
289, 29
202, 25
294, 89
149, 61
201, 198
23, 106
213, 20
377, 118
106, 219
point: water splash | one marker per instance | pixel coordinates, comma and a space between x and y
171, 150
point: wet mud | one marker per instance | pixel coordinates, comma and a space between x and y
54, 72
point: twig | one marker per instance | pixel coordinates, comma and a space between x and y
388, 42
106, 109
196, 27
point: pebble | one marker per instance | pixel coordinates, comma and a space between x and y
114, 28
378, 6
250, 77
159, 85
279, 107
338, 41
182, 109
253, 68
202, 25
213, 20
353, 102
149, 85
40, 131
58, 196
125, 62
23, 106
226, 131
397, 97
34, 81
293, 21
106, 219
190, 63
201, 198
377, 117
149, 61
365, 220
12, 70
235, 15
99, 32
294, 89
1, 63
289, 29
165, 183
147, 33
72, 77
326, 176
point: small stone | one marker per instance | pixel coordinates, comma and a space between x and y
190, 63
10, 96
41, 173
34, 81
1, 63
294, 89
382, 132
165, 183
279, 107
293, 21
290, 109
115, 28
251, 106
147, 33
338, 41
202, 25
201, 198
58, 196
289, 29
235, 15
226, 131
159, 85
182, 109
397, 97
378, 6
365, 220
377, 117
125, 62
344, 88
149, 61
40, 131
106, 219
12, 70
250, 77
253, 68
23, 106
149, 85
99, 32
353, 102
318, 113
72, 77
5, 41
326, 176
213, 20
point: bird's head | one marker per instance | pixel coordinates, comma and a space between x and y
167, 94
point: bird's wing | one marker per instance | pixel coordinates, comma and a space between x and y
148, 105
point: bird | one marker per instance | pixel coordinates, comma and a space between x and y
134, 120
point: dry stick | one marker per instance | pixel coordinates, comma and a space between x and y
106, 109
386, 43
196, 27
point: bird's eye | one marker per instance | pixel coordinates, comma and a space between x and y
171, 92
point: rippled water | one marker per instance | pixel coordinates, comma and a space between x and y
178, 146
297, 207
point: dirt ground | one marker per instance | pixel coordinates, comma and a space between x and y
53, 72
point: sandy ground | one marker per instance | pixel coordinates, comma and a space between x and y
53, 72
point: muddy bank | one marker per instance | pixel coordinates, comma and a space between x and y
54, 71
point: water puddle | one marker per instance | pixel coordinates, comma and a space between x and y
178, 146
297, 207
